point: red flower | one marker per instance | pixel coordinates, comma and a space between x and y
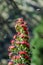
14, 36
22, 35
25, 28
24, 42
22, 25
22, 52
20, 20
18, 57
12, 41
26, 32
13, 57
10, 63
25, 23
11, 47
10, 54
20, 64
17, 42
28, 45
18, 33
26, 57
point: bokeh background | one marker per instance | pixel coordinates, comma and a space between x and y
32, 12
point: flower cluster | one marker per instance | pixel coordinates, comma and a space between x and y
19, 51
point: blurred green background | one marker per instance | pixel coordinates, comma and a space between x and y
32, 12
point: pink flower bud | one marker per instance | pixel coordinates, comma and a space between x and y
10, 54
25, 23
20, 64
22, 52
22, 35
25, 28
18, 33
20, 20
18, 57
25, 43
12, 41
13, 57
26, 32
14, 37
22, 25
11, 48
26, 57
17, 42
10, 63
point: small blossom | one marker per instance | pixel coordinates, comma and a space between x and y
10, 54
12, 41
24, 42
22, 52
11, 48
22, 25
10, 63
22, 35
27, 44
17, 42
14, 37
20, 64
20, 20
18, 33
18, 57
26, 32
13, 57
26, 57
25, 28
25, 23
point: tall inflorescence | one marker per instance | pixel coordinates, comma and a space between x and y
19, 51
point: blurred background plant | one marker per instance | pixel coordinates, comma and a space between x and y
10, 10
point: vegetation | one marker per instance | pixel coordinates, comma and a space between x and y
20, 47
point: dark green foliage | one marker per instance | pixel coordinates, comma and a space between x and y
37, 45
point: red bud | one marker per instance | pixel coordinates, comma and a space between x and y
20, 64
12, 41
22, 52
14, 36
10, 63
20, 20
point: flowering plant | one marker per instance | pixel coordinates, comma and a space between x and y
20, 47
